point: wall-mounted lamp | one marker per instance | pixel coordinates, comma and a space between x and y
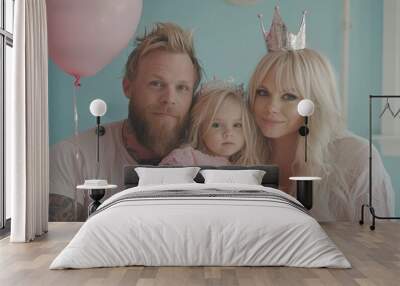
98, 108
305, 108
305, 184
97, 187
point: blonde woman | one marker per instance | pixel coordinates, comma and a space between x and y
280, 80
222, 131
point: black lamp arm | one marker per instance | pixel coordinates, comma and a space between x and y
305, 138
98, 138
304, 132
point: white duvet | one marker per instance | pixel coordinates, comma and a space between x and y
200, 231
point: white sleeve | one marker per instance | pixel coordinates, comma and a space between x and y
382, 190
66, 172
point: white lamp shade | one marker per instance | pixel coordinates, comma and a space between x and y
305, 107
98, 107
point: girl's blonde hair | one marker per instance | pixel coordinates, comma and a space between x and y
206, 105
312, 77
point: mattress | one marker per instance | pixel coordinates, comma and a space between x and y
201, 225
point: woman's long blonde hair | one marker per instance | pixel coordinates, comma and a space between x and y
312, 77
206, 105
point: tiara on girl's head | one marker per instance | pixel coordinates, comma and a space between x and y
279, 39
221, 84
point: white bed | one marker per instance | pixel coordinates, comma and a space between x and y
224, 225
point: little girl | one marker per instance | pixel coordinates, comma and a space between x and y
222, 131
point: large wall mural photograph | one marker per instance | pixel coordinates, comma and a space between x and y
242, 83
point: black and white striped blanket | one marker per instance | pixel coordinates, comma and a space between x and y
205, 194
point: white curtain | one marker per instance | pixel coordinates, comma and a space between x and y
27, 144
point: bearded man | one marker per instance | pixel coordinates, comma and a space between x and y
161, 75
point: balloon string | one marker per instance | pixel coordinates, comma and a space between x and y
77, 85
76, 120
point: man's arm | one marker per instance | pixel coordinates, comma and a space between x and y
66, 171
62, 208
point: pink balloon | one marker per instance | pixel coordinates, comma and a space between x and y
85, 35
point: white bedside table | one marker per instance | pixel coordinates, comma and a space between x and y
305, 190
97, 190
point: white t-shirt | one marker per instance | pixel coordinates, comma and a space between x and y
66, 172
332, 201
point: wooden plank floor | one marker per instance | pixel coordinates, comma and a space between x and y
374, 255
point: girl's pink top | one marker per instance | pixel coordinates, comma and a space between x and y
187, 156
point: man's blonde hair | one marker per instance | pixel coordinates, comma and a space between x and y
203, 113
167, 37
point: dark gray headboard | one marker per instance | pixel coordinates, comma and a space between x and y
270, 179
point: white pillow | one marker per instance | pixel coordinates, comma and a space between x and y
248, 177
162, 176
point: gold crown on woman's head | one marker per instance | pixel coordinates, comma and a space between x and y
279, 39
215, 84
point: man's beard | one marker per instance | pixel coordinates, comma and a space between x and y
156, 135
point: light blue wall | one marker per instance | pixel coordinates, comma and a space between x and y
365, 68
